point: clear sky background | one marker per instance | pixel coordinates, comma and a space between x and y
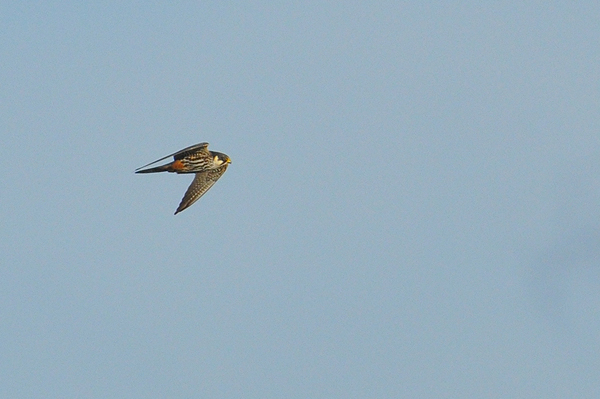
412, 210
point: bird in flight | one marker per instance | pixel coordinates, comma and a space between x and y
208, 166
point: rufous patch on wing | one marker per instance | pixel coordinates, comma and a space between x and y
177, 165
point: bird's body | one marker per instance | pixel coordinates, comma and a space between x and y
208, 166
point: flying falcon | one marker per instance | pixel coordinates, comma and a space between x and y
207, 165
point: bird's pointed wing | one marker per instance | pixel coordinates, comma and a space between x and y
181, 153
200, 185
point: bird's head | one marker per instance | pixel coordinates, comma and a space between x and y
220, 158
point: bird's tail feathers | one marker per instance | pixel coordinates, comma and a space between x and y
163, 168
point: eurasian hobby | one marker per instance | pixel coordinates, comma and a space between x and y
207, 165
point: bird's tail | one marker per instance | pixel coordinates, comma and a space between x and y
163, 168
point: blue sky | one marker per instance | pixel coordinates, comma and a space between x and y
411, 209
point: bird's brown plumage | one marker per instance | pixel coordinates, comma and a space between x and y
208, 167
